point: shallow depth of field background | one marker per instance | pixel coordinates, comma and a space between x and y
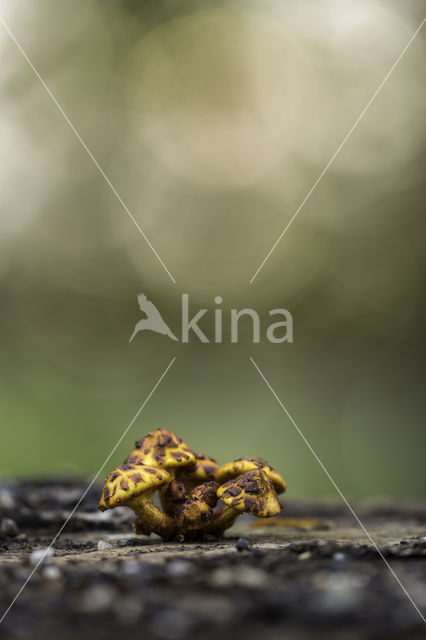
212, 120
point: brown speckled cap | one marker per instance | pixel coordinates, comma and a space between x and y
128, 481
251, 492
162, 448
206, 492
193, 515
242, 465
203, 470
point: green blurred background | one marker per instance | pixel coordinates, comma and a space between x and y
213, 120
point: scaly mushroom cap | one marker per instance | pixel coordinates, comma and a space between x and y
251, 492
203, 470
242, 465
161, 448
128, 481
206, 492
193, 515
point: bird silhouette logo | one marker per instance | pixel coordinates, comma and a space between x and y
153, 320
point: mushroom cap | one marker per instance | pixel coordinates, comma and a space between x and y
161, 448
129, 481
206, 492
193, 515
203, 470
242, 465
251, 492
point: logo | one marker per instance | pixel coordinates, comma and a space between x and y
153, 320
276, 332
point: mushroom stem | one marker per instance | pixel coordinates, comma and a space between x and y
140, 528
151, 518
222, 520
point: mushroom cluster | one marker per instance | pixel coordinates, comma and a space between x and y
191, 486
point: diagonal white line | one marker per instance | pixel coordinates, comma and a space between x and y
338, 490
333, 157
86, 148
87, 490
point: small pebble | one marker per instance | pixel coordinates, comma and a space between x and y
9, 527
305, 555
128, 609
6, 500
180, 568
131, 567
103, 546
98, 597
172, 624
51, 572
251, 577
21, 573
243, 545
222, 577
339, 556
41, 556
339, 593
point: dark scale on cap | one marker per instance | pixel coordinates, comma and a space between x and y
136, 477
210, 471
254, 459
249, 503
233, 491
124, 485
251, 487
180, 455
114, 475
154, 472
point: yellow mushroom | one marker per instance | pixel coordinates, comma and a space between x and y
252, 492
242, 465
134, 486
188, 485
197, 511
191, 519
162, 448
